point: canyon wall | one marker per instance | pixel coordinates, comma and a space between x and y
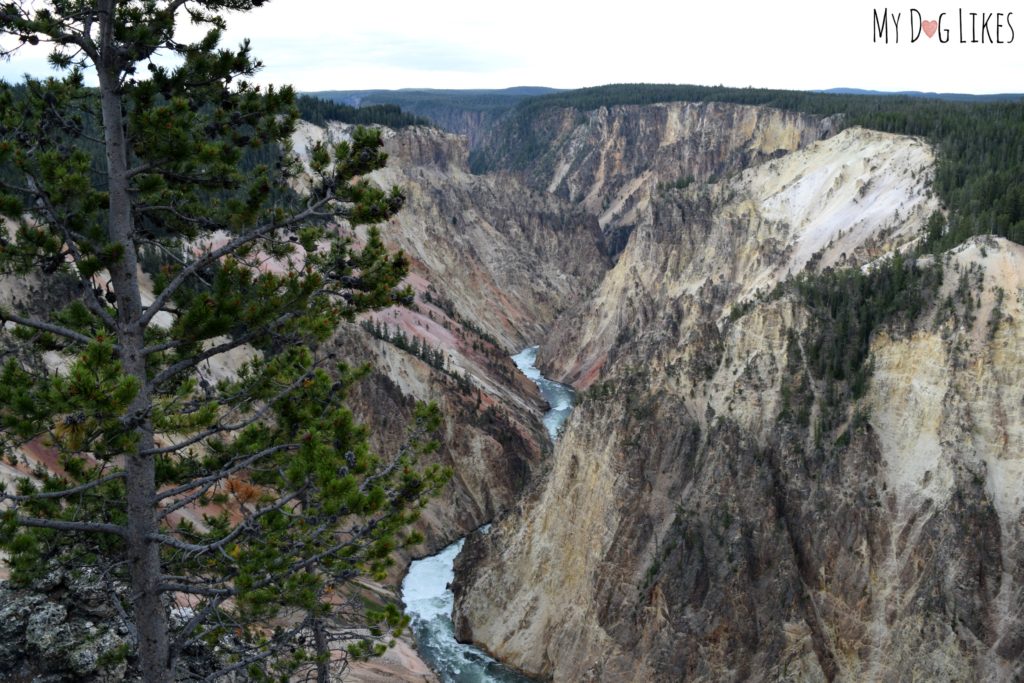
710, 514
612, 160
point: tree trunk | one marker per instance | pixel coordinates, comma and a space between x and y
323, 651
321, 640
140, 471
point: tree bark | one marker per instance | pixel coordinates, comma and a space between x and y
140, 470
323, 651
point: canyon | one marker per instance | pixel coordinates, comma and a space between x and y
686, 525
714, 508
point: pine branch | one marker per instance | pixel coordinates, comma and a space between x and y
186, 363
220, 428
281, 639
71, 240
92, 301
193, 589
352, 538
48, 327
206, 482
202, 548
198, 618
229, 248
52, 495
62, 525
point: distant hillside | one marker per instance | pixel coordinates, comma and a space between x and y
467, 112
319, 111
948, 96
409, 98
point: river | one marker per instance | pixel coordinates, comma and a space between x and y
425, 590
560, 397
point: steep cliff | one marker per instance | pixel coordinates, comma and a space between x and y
846, 200
505, 257
610, 161
718, 509
509, 258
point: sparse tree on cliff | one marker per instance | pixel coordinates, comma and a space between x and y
245, 500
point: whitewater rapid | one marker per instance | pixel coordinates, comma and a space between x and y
560, 397
426, 592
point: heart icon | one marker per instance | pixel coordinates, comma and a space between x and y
930, 27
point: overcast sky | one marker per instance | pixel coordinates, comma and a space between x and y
800, 44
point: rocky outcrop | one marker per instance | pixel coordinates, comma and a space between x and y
67, 626
705, 519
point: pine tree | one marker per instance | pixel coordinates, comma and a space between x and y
252, 499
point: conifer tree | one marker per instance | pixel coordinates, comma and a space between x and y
246, 500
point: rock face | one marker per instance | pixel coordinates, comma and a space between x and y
611, 161
849, 199
702, 520
493, 264
65, 627
510, 258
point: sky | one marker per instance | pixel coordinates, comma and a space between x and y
797, 44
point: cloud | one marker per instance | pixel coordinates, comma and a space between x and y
382, 51
798, 44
